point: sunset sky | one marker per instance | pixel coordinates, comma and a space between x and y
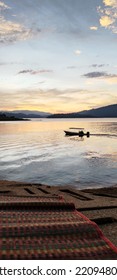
58, 55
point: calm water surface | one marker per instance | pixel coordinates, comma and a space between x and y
38, 151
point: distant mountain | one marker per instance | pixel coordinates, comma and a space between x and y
109, 111
67, 115
26, 114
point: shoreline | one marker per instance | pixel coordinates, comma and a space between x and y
99, 205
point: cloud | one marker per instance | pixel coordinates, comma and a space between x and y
106, 21
111, 78
35, 72
93, 28
53, 99
41, 71
95, 74
110, 2
41, 82
3, 6
71, 67
98, 65
10, 63
25, 71
108, 15
78, 52
12, 31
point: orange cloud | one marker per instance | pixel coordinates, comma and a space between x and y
108, 15
105, 21
110, 2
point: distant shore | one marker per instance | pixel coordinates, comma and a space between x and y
3, 117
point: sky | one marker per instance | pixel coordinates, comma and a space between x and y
58, 56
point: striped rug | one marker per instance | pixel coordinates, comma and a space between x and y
49, 228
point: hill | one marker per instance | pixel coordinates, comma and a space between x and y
26, 114
109, 111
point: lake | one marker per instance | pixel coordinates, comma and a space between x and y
38, 151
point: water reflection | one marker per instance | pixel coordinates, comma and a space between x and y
38, 151
76, 138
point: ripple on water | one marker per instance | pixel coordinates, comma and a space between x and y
40, 152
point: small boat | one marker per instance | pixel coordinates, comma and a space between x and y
80, 133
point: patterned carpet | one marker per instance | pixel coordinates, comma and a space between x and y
49, 228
